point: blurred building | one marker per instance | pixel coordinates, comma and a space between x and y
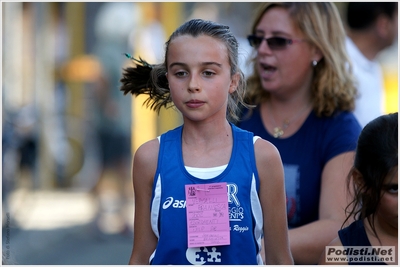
54, 53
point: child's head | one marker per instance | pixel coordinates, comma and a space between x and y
197, 27
374, 173
194, 28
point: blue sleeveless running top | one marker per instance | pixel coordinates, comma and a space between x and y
168, 207
355, 235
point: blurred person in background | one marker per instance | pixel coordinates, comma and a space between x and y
19, 151
372, 27
113, 25
304, 96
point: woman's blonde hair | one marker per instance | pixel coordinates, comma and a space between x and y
333, 85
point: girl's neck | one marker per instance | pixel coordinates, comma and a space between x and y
205, 131
386, 234
206, 144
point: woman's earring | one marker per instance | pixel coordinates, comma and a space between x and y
314, 63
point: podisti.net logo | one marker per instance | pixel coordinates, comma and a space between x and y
360, 254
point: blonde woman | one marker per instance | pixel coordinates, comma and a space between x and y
304, 94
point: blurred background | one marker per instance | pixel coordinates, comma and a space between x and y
68, 133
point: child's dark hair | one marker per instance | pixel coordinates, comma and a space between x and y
150, 79
375, 159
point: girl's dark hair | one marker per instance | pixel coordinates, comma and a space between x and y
150, 79
375, 159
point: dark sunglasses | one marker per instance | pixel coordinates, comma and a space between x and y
274, 43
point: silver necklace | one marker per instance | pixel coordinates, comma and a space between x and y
279, 131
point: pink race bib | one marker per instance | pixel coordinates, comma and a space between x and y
207, 215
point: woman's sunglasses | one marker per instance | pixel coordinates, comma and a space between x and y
274, 43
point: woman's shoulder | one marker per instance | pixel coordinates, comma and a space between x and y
344, 116
343, 121
250, 119
338, 117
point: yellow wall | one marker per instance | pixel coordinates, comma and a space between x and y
147, 124
391, 84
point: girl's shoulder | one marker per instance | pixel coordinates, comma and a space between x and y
145, 164
264, 148
267, 155
147, 153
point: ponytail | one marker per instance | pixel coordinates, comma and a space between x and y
147, 79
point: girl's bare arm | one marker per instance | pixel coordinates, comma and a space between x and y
143, 171
273, 202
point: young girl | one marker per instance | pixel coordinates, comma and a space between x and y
201, 77
374, 180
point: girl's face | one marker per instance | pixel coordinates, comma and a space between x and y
199, 76
387, 211
288, 67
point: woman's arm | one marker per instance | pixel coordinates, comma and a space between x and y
143, 171
273, 202
308, 242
